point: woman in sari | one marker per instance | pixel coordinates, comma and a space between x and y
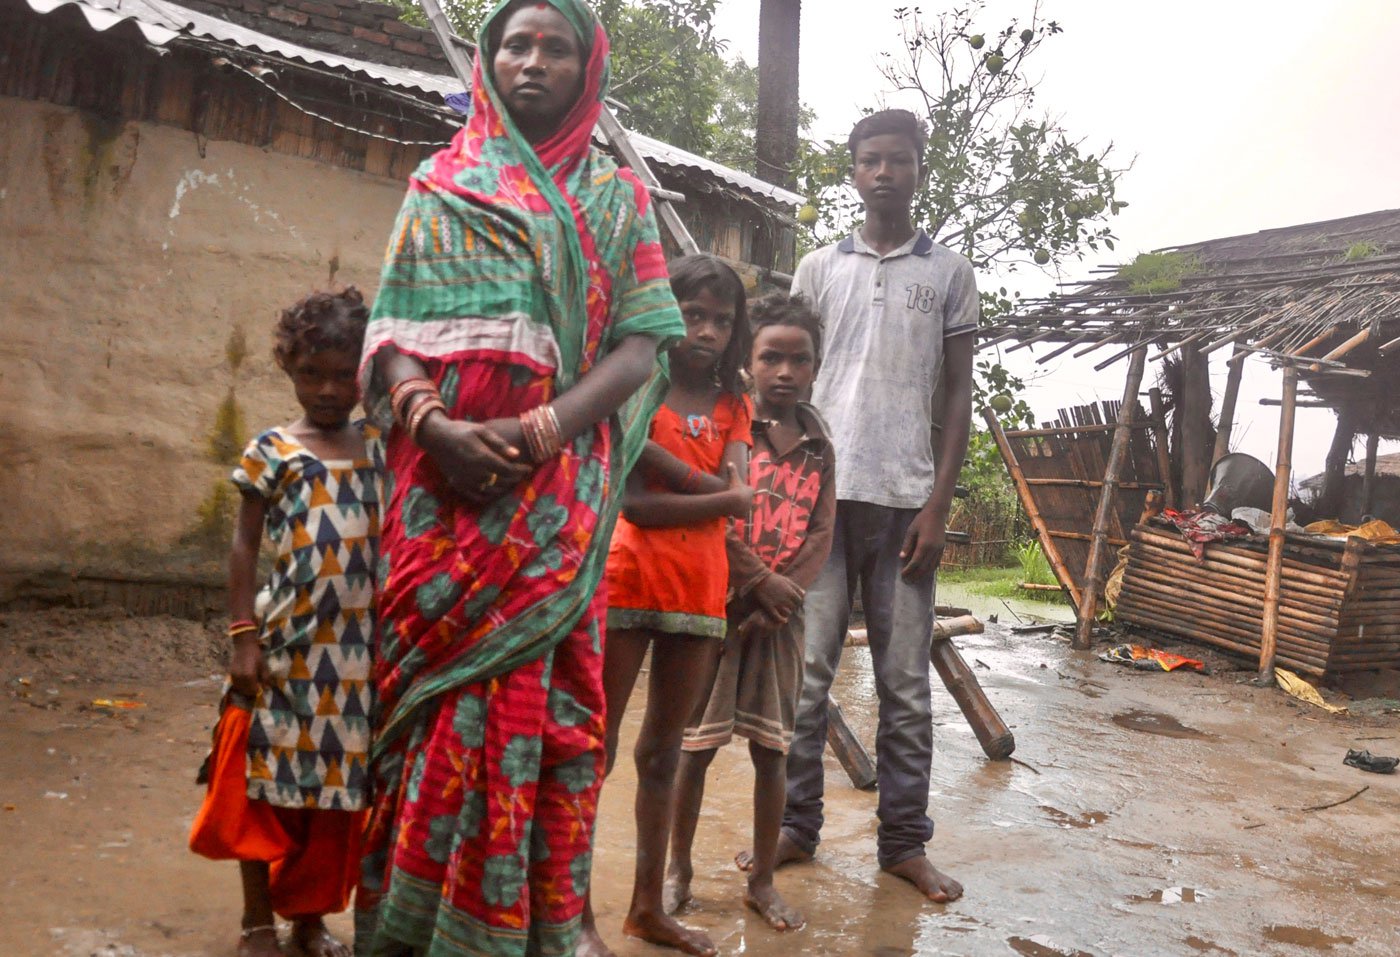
523, 301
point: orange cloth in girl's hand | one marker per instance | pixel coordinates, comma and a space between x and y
314, 855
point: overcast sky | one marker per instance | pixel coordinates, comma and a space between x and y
1238, 116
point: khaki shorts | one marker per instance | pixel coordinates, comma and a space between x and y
755, 691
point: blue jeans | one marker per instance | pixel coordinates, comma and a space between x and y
899, 623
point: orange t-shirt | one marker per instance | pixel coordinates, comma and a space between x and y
675, 578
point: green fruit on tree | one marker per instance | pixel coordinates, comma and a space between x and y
1027, 36
995, 62
1042, 256
1001, 403
975, 41
807, 215
1074, 208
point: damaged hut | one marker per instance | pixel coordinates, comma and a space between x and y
1320, 303
170, 175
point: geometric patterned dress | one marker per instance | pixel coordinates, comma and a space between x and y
308, 743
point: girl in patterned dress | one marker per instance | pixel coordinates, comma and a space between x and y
668, 573
287, 776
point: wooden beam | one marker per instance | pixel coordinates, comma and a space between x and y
1344, 348
1018, 478
1278, 517
1068, 429
1091, 483
1225, 424
1088, 607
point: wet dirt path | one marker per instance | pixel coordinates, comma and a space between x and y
1163, 815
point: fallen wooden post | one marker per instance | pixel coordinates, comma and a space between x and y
860, 768
992, 733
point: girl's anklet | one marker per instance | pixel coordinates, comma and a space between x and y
247, 932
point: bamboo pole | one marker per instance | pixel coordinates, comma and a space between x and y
1088, 606
1047, 542
1278, 517
1368, 479
1225, 425
1159, 439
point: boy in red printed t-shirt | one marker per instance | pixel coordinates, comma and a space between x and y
773, 557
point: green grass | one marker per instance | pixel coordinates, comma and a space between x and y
1361, 250
1151, 274
998, 583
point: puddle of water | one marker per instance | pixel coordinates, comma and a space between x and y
1309, 937
1204, 946
1065, 819
1152, 722
1041, 946
1170, 895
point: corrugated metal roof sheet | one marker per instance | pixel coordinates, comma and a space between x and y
161, 22
669, 155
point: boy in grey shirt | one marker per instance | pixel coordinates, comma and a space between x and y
898, 313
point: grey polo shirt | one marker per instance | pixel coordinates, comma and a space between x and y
884, 321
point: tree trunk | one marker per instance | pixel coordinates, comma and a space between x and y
775, 140
1197, 437
1331, 499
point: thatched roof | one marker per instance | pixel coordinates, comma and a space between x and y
1387, 466
1324, 296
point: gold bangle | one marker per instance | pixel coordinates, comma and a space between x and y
420, 415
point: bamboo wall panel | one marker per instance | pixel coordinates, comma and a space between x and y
1064, 463
1339, 607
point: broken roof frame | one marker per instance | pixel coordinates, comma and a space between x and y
1285, 294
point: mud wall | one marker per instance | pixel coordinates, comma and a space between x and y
141, 270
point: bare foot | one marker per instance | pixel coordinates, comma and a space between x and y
765, 902
590, 944
260, 942
788, 853
931, 882
675, 893
667, 932
312, 939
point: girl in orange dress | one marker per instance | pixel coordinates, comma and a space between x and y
667, 573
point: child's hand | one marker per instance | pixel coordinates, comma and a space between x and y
247, 670
740, 494
779, 596
757, 625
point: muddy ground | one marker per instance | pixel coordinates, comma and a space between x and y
1154, 814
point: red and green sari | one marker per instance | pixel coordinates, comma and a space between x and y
511, 271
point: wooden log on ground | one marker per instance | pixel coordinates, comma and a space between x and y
1088, 606
1283, 473
996, 738
848, 749
942, 628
